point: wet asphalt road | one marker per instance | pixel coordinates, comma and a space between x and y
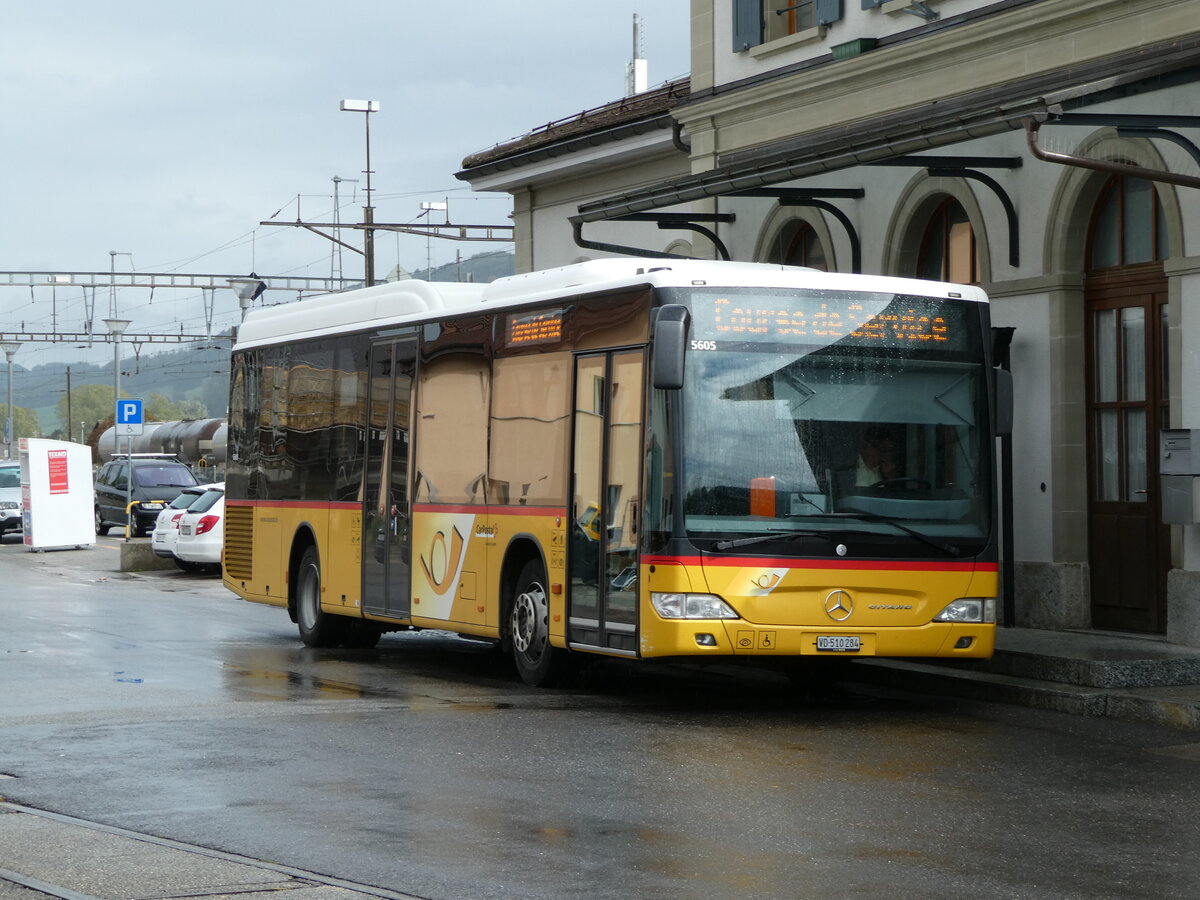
161, 703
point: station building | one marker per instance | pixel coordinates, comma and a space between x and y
1045, 150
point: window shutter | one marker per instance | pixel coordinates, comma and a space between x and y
747, 24
828, 11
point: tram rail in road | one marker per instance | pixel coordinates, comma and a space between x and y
74, 859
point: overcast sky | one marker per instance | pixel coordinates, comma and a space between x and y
169, 130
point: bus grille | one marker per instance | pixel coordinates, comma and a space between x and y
239, 542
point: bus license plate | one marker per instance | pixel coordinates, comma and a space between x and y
844, 642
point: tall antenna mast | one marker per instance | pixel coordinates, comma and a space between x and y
635, 72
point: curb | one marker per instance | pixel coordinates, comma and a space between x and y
1175, 707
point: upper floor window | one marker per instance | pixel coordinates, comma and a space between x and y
1128, 225
948, 251
757, 21
784, 17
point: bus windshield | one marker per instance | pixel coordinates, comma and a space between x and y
831, 414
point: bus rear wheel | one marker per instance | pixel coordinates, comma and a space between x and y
538, 663
317, 628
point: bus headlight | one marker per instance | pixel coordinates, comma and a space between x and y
969, 610
691, 606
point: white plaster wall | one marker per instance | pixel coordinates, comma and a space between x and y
1033, 486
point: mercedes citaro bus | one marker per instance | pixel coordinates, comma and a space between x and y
643, 458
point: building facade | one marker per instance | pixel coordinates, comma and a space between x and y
1043, 149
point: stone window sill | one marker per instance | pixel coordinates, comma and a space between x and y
779, 45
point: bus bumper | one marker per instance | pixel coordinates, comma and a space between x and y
714, 638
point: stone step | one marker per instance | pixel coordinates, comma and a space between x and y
1092, 659
1170, 706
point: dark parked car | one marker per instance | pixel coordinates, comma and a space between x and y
157, 480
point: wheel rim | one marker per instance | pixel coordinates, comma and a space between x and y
529, 627
306, 606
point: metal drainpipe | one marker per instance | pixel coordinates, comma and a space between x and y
1114, 168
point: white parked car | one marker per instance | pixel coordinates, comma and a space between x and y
10, 496
202, 531
166, 527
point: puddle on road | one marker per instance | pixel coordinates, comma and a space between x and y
1180, 751
274, 685
289, 686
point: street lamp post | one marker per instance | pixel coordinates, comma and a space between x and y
247, 289
366, 107
10, 350
116, 328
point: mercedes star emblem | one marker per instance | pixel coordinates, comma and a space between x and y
839, 605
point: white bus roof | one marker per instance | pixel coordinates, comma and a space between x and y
400, 303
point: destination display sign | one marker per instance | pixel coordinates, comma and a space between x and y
866, 319
528, 329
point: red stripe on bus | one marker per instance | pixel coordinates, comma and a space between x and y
868, 564
420, 507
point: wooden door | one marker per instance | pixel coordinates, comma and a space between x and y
1128, 547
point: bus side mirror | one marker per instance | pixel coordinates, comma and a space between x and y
1003, 402
670, 344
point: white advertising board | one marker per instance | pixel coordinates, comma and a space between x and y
56, 494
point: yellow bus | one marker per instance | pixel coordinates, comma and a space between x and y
649, 459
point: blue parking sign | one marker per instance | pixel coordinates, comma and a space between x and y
129, 412
129, 417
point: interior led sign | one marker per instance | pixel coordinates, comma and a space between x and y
542, 327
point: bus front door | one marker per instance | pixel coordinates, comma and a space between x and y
387, 545
603, 607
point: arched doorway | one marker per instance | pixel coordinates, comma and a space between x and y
1125, 293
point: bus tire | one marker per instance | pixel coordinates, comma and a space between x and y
538, 663
317, 628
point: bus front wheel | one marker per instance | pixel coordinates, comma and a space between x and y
538, 663
317, 629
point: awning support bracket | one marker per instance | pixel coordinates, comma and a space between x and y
619, 249
815, 197
966, 167
665, 222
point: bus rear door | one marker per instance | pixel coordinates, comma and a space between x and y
387, 544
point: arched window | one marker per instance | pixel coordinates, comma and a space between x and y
948, 251
1128, 225
797, 244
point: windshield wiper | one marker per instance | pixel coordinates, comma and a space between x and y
766, 538
950, 549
